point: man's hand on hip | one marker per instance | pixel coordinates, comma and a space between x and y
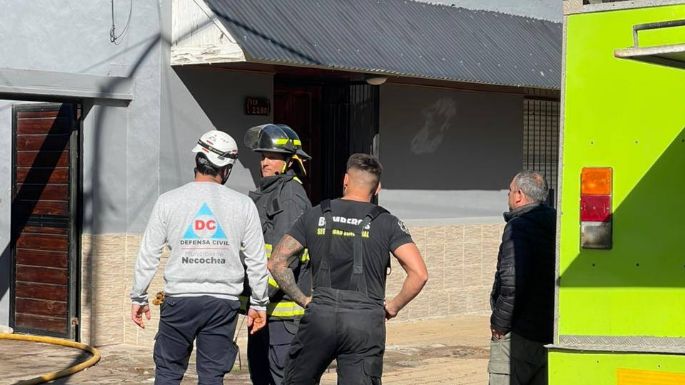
496, 334
137, 312
391, 310
256, 320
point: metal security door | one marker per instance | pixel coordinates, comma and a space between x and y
350, 124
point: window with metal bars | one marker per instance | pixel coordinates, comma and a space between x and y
541, 140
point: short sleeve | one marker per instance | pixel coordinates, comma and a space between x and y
399, 234
299, 229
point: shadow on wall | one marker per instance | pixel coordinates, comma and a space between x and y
442, 139
90, 271
655, 258
220, 96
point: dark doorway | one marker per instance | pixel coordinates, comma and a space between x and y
334, 120
298, 106
44, 246
350, 121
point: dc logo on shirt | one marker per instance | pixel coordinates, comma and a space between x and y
204, 226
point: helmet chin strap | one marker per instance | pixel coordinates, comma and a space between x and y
227, 173
284, 169
300, 163
286, 164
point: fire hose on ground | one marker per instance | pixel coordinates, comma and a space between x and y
55, 341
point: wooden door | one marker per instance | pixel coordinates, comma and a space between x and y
333, 120
44, 243
298, 107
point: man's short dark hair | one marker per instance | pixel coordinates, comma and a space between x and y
367, 163
204, 166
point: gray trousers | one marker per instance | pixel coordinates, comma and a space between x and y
515, 360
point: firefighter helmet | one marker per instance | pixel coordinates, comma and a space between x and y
275, 138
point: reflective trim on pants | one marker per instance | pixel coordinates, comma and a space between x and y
284, 309
281, 309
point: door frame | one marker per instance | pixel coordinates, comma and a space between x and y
75, 223
330, 183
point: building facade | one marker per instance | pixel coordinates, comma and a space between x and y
102, 102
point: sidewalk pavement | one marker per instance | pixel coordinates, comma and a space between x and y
450, 351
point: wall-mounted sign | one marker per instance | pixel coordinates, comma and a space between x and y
257, 106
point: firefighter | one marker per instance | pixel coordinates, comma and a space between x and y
349, 241
280, 200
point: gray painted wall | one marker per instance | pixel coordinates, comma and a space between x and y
539, 9
133, 151
72, 37
105, 184
5, 204
448, 155
129, 149
200, 99
156, 131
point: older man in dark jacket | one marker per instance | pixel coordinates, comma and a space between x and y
522, 297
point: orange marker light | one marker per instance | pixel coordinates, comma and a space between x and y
595, 181
595, 208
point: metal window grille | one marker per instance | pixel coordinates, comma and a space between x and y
350, 122
541, 140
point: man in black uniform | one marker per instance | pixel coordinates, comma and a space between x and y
349, 241
280, 200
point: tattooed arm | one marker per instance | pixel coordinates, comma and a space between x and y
278, 266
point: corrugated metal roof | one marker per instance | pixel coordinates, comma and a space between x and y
551, 10
398, 38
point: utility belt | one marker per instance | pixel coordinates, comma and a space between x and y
346, 299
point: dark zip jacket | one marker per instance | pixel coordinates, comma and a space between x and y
280, 200
522, 298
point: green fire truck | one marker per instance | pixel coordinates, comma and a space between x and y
620, 291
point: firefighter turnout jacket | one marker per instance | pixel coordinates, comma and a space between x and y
280, 200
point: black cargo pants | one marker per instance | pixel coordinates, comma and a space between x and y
267, 351
208, 321
343, 325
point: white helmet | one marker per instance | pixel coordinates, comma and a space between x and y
218, 147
